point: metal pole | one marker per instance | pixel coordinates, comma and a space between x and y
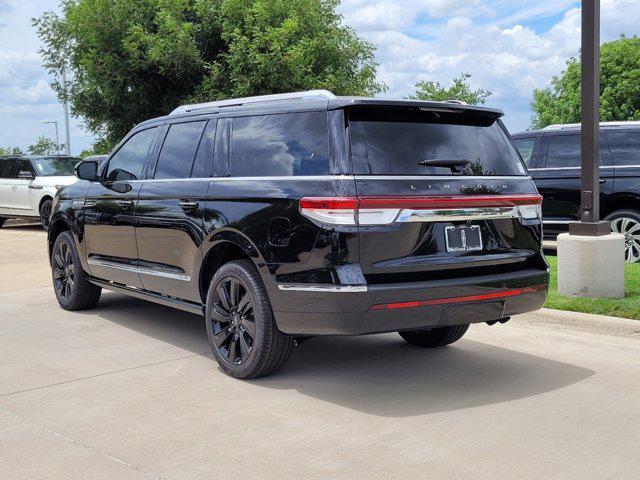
55, 124
65, 104
590, 112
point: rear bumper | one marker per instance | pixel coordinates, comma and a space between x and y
319, 310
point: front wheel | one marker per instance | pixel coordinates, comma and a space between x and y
73, 289
436, 337
242, 331
627, 222
45, 213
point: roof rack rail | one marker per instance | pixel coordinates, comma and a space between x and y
459, 102
562, 126
278, 97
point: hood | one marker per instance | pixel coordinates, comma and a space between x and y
56, 180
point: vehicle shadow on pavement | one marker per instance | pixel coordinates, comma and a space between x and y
377, 374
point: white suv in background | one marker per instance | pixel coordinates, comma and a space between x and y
28, 185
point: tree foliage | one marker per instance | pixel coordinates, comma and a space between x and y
43, 146
459, 90
130, 60
10, 151
619, 87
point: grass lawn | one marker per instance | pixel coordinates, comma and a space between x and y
628, 307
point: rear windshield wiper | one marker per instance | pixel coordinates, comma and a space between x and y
455, 164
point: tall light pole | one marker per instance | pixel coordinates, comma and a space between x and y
55, 123
65, 104
590, 223
590, 257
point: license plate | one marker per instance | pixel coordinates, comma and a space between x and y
463, 239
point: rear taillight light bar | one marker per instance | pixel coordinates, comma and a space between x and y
387, 210
465, 299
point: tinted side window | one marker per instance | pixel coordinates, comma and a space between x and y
128, 162
280, 145
8, 168
525, 147
203, 164
179, 150
564, 151
625, 147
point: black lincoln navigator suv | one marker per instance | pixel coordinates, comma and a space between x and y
287, 216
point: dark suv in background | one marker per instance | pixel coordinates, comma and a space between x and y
552, 156
288, 216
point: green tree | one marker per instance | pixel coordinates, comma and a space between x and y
129, 60
43, 146
459, 90
10, 151
619, 87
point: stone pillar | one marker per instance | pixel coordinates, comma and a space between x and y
590, 266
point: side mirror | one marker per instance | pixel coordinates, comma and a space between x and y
87, 170
26, 175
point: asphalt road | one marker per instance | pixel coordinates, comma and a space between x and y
129, 391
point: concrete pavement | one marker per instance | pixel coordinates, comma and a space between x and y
129, 390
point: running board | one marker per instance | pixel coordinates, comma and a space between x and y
185, 305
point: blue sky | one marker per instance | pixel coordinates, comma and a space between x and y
509, 47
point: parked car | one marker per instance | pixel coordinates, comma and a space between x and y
29, 183
553, 158
283, 217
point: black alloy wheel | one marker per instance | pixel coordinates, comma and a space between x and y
242, 330
72, 287
63, 272
45, 214
234, 327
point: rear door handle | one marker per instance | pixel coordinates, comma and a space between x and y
188, 205
125, 204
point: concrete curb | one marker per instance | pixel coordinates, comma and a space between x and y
582, 322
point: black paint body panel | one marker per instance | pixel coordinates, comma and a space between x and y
169, 247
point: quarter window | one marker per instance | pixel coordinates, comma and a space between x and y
280, 145
179, 150
128, 162
525, 147
564, 151
625, 147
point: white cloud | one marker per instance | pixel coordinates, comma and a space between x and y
496, 42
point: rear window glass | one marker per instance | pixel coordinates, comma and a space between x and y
280, 145
625, 147
178, 150
410, 143
564, 151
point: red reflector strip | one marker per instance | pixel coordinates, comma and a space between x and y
329, 203
467, 298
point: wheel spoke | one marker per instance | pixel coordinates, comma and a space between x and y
224, 296
220, 313
250, 327
58, 258
222, 336
233, 351
233, 291
244, 303
245, 349
58, 273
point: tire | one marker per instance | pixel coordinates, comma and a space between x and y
242, 331
45, 213
436, 337
627, 222
72, 289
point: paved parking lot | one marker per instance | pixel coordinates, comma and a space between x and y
128, 390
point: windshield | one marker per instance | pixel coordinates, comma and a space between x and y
430, 143
55, 166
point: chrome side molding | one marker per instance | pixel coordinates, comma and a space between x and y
138, 269
316, 287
